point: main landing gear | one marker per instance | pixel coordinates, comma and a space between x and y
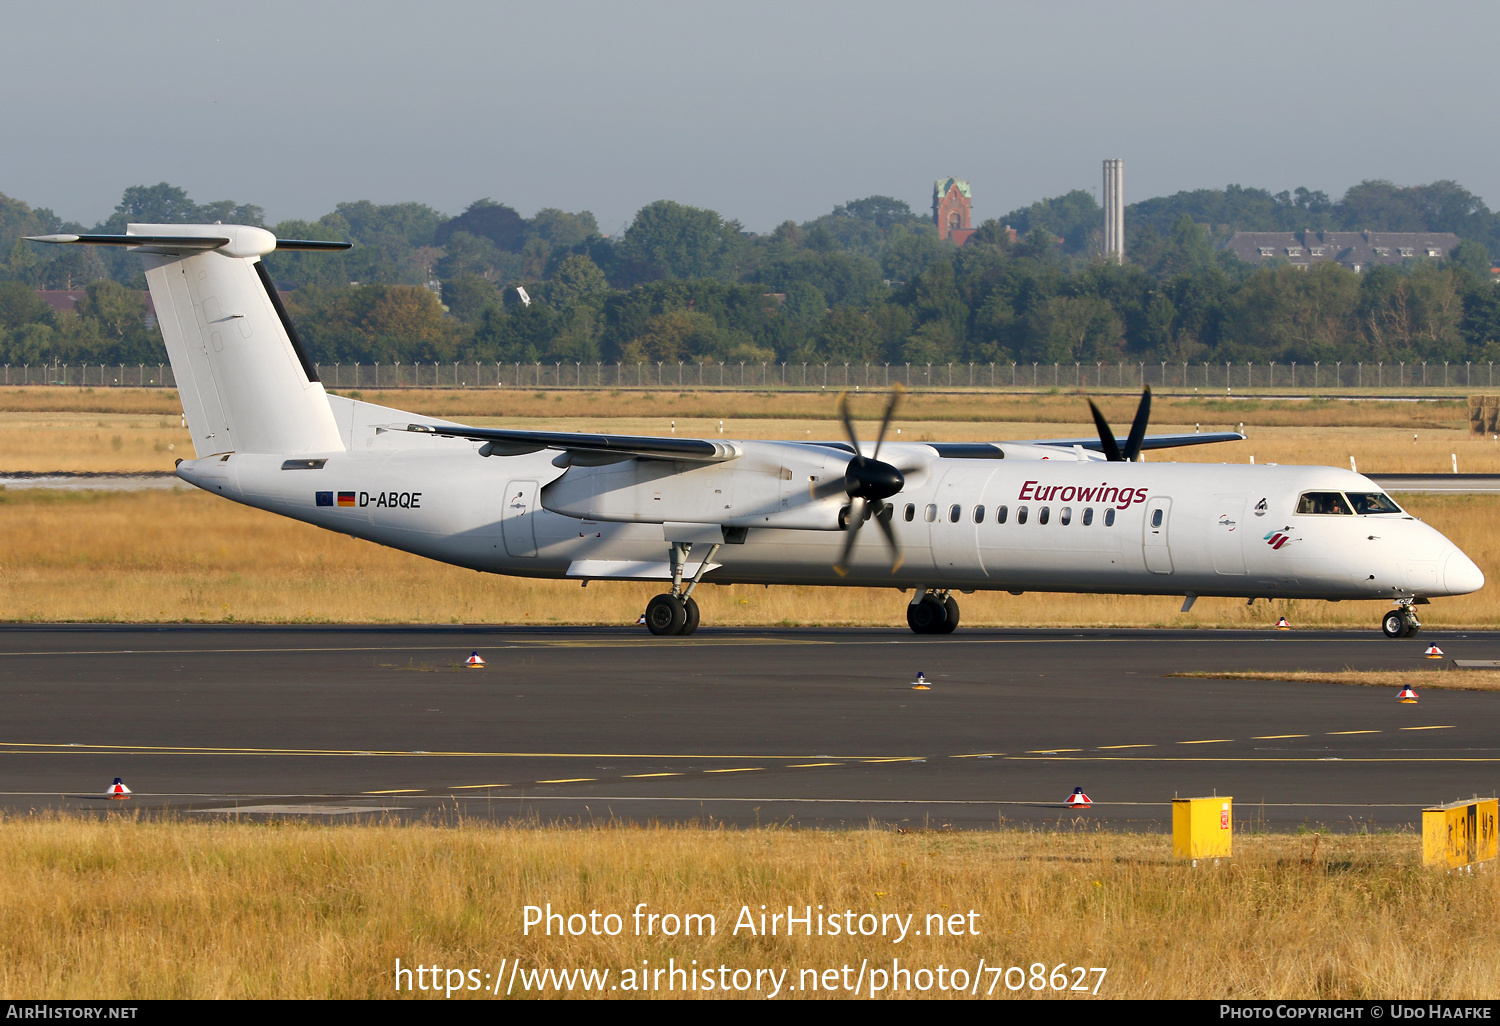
676, 612
932, 612
1401, 622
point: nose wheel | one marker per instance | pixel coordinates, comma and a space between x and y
668, 614
1401, 622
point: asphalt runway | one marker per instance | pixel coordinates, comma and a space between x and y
814, 727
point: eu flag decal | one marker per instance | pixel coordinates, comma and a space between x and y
325, 498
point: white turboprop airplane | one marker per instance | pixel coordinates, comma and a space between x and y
1058, 515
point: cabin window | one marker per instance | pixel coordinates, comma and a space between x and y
1324, 504
978, 514
930, 513
911, 512
1088, 515
1044, 514
1109, 517
1020, 514
1156, 515
1065, 515
954, 512
1001, 512
1372, 502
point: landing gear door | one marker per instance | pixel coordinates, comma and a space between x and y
518, 518
1158, 520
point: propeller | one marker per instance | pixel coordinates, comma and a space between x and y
1112, 451
868, 482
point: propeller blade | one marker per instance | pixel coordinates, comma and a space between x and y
851, 534
1106, 436
890, 534
1138, 428
890, 411
849, 425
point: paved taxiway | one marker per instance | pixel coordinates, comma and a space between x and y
800, 726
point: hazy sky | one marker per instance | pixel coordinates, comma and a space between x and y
764, 111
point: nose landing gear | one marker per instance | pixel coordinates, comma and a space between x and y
1401, 622
933, 612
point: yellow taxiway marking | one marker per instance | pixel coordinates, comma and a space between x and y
470, 787
740, 769
399, 790
1209, 741
1441, 726
1333, 733
1105, 748
1053, 751
979, 755
63, 748
904, 758
810, 765
637, 776
568, 780
1273, 737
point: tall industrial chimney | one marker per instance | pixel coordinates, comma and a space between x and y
1114, 210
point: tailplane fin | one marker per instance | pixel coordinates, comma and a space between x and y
246, 382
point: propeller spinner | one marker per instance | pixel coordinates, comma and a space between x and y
1111, 446
868, 482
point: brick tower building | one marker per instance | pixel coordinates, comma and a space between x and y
950, 209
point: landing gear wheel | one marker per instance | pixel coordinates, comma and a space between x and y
665, 615
1394, 624
1411, 630
927, 616
690, 607
950, 620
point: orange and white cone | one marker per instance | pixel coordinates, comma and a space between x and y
1433, 652
1282, 625
475, 660
1078, 800
117, 790
920, 684
1407, 696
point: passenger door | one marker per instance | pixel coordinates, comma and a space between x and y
1158, 519
1228, 534
518, 518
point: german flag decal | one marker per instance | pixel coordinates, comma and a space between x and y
346, 498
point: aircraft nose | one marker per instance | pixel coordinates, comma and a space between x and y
1460, 575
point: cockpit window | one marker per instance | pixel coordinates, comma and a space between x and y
1373, 502
1324, 503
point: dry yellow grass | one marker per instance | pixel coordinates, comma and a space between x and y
158, 909
188, 556
133, 442
1450, 680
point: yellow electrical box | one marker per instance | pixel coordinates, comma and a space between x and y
1460, 833
1202, 827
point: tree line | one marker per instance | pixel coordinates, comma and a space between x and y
869, 282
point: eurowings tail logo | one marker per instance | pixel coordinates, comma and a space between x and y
1276, 539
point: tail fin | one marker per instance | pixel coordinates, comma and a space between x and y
245, 380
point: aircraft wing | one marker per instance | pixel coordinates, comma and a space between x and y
586, 449
1149, 442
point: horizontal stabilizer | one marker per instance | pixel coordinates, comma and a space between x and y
179, 243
